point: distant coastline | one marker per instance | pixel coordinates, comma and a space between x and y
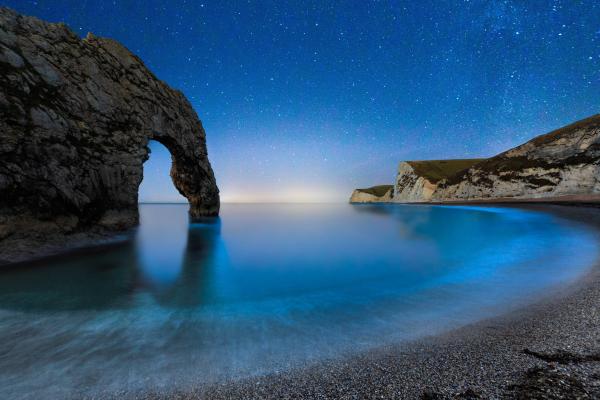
557, 167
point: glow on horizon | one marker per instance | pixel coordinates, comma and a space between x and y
292, 195
157, 186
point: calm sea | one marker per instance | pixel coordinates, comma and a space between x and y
269, 287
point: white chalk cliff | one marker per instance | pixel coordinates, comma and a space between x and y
417, 181
411, 187
565, 162
562, 164
375, 194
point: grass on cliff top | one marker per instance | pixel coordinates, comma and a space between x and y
378, 191
436, 170
501, 162
587, 123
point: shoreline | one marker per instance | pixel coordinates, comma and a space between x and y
592, 200
35, 248
549, 349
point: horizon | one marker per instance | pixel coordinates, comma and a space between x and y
247, 202
305, 102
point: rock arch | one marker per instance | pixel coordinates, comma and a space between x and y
189, 178
76, 116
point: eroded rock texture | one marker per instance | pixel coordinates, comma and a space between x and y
416, 181
563, 165
375, 194
564, 162
75, 120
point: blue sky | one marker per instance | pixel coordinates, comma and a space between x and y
306, 100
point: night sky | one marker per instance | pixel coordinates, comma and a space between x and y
305, 101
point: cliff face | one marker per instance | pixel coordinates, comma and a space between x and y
375, 194
416, 181
75, 120
410, 187
565, 162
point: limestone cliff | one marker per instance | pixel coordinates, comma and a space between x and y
76, 116
565, 162
416, 181
375, 194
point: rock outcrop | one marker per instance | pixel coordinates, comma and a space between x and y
76, 116
565, 162
561, 165
416, 181
375, 194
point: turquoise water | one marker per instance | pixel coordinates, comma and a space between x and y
269, 287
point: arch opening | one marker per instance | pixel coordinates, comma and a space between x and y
157, 185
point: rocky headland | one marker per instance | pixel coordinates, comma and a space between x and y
76, 116
374, 194
563, 165
416, 181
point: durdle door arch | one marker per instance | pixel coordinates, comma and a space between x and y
76, 116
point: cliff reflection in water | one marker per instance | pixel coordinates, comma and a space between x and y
166, 257
181, 275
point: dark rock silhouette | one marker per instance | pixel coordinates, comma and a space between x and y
76, 116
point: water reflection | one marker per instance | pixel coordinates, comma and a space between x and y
275, 252
268, 287
95, 281
160, 242
166, 257
193, 284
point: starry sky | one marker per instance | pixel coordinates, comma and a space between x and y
306, 100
